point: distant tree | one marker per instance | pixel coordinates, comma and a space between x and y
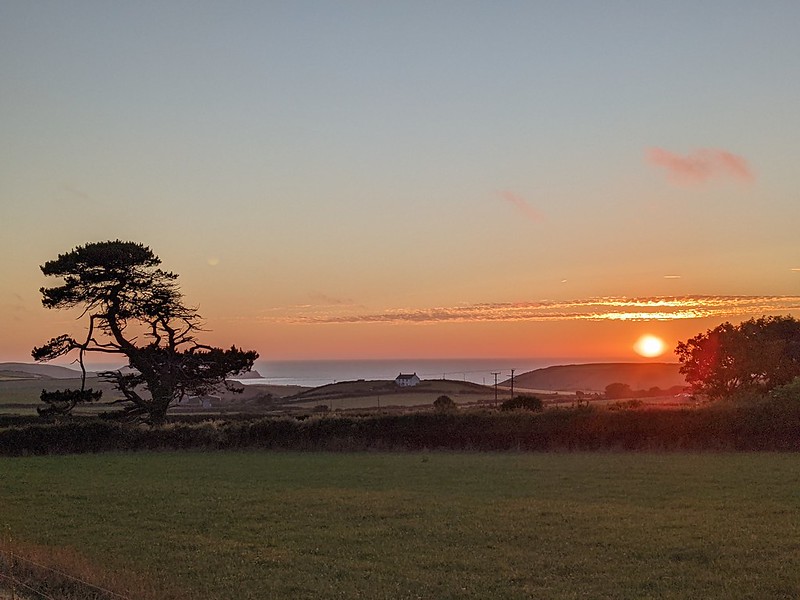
618, 391
756, 355
126, 298
444, 404
531, 403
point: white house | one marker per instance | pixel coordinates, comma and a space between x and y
406, 380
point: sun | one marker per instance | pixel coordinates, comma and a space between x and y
650, 346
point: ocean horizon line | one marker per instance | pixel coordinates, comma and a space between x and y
475, 370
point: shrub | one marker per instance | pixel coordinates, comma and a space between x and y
618, 391
444, 404
531, 403
789, 393
626, 404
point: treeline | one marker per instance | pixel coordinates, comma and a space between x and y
773, 425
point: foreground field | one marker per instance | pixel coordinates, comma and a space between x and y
419, 525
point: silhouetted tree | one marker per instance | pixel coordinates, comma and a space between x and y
755, 355
127, 298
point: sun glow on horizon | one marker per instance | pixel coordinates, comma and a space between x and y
650, 346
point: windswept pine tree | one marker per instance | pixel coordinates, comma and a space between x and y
134, 309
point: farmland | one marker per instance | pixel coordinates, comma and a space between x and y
21, 384
21, 396
418, 525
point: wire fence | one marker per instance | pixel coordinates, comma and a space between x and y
26, 579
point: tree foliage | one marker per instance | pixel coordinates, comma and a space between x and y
756, 355
134, 309
61, 402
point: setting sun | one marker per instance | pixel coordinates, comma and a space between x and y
650, 346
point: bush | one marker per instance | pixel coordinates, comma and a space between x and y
626, 404
531, 403
789, 393
618, 391
444, 404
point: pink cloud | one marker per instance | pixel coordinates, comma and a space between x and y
522, 206
701, 165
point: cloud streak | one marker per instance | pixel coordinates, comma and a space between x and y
701, 166
591, 309
322, 299
522, 206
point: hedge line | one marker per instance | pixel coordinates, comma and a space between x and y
769, 426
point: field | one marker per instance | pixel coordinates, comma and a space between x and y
377, 394
417, 525
21, 384
21, 396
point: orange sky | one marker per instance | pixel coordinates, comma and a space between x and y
405, 180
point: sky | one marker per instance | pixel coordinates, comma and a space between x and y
415, 179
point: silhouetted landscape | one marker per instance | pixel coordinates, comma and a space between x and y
399, 300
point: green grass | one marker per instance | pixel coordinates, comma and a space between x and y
419, 525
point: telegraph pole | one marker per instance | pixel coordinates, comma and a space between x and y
495, 386
512, 382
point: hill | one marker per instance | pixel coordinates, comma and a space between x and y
594, 377
17, 370
376, 393
351, 389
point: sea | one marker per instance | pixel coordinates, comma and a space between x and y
313, 373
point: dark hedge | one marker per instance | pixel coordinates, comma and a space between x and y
759, 426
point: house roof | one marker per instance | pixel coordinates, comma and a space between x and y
406, 376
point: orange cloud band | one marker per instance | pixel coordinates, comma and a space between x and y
592, 309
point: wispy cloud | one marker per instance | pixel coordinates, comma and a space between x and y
78, 195
701, 165
522, 205
322, 299
591, 309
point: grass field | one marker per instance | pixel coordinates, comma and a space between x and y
420, 525
376, 394
21, 397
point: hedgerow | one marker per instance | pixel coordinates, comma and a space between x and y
768, 424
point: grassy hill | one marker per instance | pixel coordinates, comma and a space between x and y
17, 370
365, 394
596, 376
